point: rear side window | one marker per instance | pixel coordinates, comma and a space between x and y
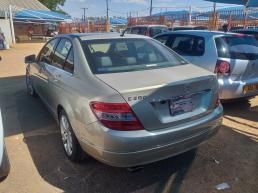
237, 47
61, 53
47, 52
139, 30
157, 30
69, 63
163, 39
186, 45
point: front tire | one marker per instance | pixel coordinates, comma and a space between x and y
70, 143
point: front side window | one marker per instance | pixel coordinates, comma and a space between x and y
237, 47
47, 52
61, 53
122, 55
186, 45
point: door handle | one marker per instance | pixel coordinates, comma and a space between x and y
56, 77
41, 68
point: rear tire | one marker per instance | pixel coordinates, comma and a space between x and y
70, 143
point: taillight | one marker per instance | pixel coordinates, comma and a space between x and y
116, 116
222, 67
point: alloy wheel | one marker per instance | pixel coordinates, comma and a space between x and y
66, 135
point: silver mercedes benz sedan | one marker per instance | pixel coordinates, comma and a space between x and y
233, 57
125, 100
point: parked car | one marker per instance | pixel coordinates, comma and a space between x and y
253, 32
187, 27
4, 161
147, 30
127, 101
232, 57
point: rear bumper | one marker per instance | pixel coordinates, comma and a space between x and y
230, 89
128, 149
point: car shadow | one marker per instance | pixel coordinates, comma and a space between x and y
233, 109
27, 115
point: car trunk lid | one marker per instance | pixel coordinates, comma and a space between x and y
166, 97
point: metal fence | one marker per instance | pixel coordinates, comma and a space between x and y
214, 21
82, 27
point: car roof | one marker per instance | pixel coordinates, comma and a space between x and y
149, 26
203, 33
95, 36
186, 26
245, 30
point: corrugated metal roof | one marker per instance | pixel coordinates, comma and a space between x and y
21, 4
42, 15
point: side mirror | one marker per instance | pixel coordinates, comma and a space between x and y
30, 59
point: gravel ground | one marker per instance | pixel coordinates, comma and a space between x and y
38, 164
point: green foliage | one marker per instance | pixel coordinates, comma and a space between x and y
52, 4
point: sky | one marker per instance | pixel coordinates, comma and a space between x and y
123, 7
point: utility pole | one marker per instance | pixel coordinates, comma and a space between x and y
84, 13
107, 10
151, 8
214, 7
107, 23
214, 16
190, 15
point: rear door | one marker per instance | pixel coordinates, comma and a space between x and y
62, 66
241, 51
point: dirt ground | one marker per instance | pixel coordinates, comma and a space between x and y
38, 164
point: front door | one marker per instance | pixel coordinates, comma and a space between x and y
41, 81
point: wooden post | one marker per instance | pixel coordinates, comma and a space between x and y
11, 24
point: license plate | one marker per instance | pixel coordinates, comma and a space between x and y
181, 105
250, 87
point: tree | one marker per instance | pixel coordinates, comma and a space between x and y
52, 4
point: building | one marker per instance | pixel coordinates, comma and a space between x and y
30, 18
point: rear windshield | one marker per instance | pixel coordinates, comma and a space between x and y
237, 47
123, 55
